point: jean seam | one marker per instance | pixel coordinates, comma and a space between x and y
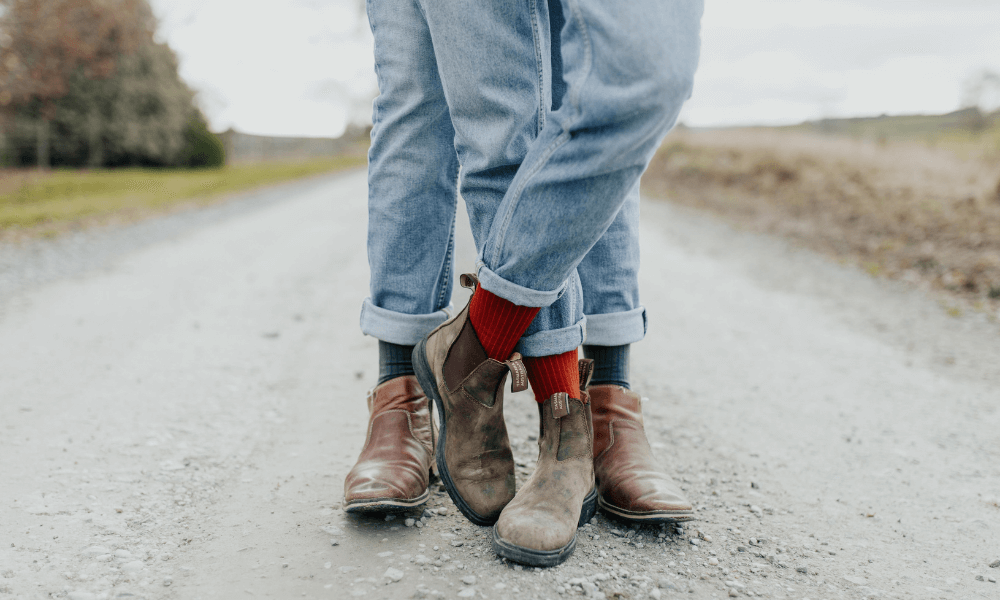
588, 61
446, 274
540, 118
378, 74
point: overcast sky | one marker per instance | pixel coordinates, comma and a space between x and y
304, 67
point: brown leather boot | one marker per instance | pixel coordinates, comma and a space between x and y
474, 459
393, 471
630, 482
538, 527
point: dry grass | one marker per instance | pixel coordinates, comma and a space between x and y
34, 204
902, 209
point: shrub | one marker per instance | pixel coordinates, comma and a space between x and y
202, 148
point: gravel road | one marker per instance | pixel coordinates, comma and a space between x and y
180, 401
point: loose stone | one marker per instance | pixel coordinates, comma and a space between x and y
409, 522
469, 580
393, 574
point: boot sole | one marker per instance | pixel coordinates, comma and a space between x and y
660, 516
428, 382
386, 505
545, 558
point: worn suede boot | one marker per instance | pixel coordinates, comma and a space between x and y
473, 455
630, 482
393, 470
538, 527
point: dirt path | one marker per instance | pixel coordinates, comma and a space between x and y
178, 424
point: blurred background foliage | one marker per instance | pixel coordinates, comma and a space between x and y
84, 83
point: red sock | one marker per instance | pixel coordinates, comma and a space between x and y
499, 323
552, 374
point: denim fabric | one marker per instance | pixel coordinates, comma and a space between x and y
628, 68
609, 274
412, 181
543, 176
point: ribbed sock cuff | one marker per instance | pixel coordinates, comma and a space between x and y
552, 374
499, 323
611, 364
394, 360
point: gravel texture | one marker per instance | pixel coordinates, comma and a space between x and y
179, 408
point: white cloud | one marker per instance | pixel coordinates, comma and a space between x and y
784, 62
304, 67
264, 62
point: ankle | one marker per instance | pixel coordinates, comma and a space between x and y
498, 323
611, 364
394, 360
553, 374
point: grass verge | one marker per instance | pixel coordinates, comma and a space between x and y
906, 209
44, 204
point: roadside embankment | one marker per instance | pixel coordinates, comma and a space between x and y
903, 209
36, 204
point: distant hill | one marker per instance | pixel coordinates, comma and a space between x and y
966, 122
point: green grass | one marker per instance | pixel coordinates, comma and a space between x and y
65, 196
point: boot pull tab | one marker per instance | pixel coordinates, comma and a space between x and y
518, 374
586, 367
560, 405
469, 280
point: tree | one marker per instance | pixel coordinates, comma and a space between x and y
982, 91
45, 43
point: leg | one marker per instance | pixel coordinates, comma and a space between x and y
630, 481
412, 199
628, 69
499, 96
609, 274
412, 181
497, 108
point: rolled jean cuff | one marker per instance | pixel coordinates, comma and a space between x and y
399, 328
554, 341
517, 294
617, 329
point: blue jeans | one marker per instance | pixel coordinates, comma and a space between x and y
551, 183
